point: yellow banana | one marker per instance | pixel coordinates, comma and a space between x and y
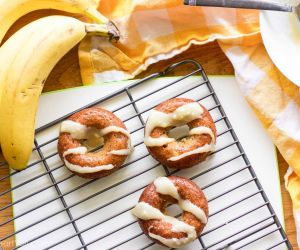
12, 10
26, 60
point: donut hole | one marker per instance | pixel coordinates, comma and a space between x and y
179, 132
94, 142
173, 210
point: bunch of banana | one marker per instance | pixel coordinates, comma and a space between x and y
26, 60
12, 10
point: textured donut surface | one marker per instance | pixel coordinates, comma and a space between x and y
167, 230
89, 126
188, 151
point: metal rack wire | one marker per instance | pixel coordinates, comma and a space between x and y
241, 237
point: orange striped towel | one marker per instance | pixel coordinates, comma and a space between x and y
159, 29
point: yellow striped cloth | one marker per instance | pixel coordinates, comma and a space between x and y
160, 29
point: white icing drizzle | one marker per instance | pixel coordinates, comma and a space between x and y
87, 169
204, 149
83, 169
120, 152
174, 242
77, 130
188, 206
127, 151
164, 185
202, 130
110, 129
182, 115
80, 132
79, 150
145, 211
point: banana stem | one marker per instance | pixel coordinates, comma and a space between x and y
106, 30
111, 30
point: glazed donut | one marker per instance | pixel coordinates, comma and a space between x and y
90, 128
164, 229
188, 151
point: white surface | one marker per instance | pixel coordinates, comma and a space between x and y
254, 139
281, 36
257, 145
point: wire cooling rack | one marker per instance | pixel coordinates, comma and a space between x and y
55, 209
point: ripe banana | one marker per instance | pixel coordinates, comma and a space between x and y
12, 10
26, 60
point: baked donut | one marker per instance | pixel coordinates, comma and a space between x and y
185, 152
90, 128
164, 229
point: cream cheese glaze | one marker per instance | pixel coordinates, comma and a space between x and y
145, 211
87, 169
175, 242
121, 152
182, 115
83, 169
81, 132
77, 130
79, 150
164, 185
204, 149
202, 130
126, 151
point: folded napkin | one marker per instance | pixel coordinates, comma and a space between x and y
160, 29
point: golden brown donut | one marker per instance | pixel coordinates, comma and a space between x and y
189, 150
167, 230
93, 126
